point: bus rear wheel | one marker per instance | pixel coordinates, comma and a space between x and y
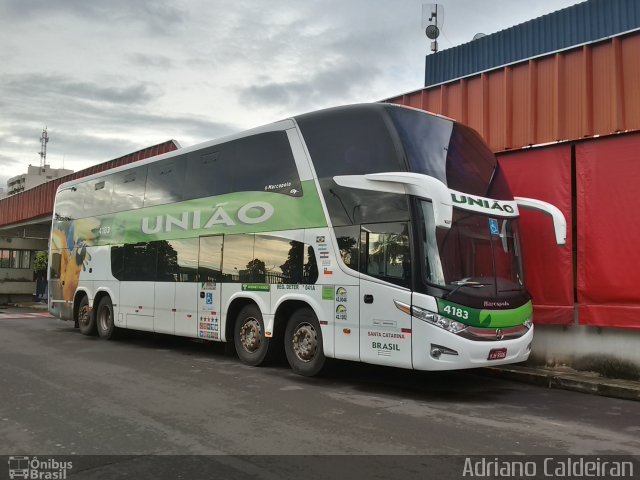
249, 337
86, 321
104, 319
303, 343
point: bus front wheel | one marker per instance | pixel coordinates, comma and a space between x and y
86, 321
250, 341
303, 343
104, 319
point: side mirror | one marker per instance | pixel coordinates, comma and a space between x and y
415, 184
559, 222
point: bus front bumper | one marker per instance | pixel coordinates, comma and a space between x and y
437, 349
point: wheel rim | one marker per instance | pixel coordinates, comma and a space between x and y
83, 315
305, 342
104, 318
251, 335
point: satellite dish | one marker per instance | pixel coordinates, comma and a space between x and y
432, 20
432, 32
479, 35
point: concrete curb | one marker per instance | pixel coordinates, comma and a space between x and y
585, 382
29, 305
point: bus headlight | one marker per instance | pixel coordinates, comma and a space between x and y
438, 320
528, 323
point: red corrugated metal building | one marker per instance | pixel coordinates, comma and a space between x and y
583, 103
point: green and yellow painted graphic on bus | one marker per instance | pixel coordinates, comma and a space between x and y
240, 212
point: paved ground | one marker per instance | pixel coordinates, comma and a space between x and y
62, 393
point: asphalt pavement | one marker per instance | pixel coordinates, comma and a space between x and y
64, 393
155, 406
561, 377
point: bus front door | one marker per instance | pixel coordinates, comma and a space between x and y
385, 319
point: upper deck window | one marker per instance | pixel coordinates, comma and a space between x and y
257, 163
349, 141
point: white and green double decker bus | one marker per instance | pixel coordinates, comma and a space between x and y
373, 233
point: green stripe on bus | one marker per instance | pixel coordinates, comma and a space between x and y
233, 213
485, 318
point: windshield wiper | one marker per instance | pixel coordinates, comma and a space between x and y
465, 283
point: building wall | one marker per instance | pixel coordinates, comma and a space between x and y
593, 280
578, 100
17, 282
582, 23
35, 176
582, 92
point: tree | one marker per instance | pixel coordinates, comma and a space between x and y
256, 270
40, 263
292, 268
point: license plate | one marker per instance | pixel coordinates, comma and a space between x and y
497, 354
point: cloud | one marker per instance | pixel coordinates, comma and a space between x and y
151, 60
109, 136
6, 161
111, 77
42, 85
335, 84
89, 122
159, 16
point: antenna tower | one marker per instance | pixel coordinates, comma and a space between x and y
44, 139
432, 19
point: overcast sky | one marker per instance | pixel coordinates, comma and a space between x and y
111, 77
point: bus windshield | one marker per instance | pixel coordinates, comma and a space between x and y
479, 255
451, 152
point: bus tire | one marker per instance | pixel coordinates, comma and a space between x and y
104, 319
86, 321
303, 343
248, 336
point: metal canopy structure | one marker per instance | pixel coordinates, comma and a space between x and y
37, 203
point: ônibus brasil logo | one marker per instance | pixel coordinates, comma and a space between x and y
38, 469
249, 214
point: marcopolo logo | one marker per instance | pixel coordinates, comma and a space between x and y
248, 214
38, 469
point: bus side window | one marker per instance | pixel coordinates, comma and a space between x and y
99, 195
54, 266
310, 267
283, 261
177, 260
239, 263
209, 172
68, 205
117, 261
385, 252
165, 181
140, 262
349, 245
210, 259
128, 189
264, 163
